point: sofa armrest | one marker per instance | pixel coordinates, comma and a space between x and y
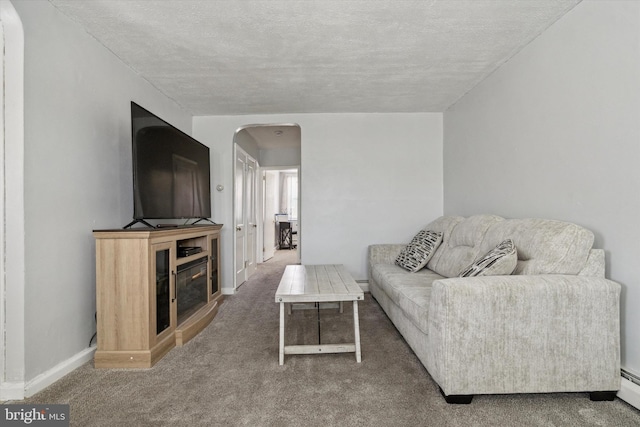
384, 253
524, 334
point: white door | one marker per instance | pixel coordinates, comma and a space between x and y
252, 218
245, 218
239, 217
269, 230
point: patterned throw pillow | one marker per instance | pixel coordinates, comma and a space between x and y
499, 261
417, 253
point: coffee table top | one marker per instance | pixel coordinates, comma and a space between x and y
318, 283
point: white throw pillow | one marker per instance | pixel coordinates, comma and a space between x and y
499, 261
417, 253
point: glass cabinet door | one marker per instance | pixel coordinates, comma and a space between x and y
163, 289
213, 267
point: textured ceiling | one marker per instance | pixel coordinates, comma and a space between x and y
285, 56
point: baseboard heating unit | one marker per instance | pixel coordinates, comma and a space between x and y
630, 388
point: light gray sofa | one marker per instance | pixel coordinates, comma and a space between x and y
553, 325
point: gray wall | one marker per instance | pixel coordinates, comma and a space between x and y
247, 143
77, 174
280, 157
365, 178
267, 157
555, 133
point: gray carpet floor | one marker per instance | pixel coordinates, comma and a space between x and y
229, 376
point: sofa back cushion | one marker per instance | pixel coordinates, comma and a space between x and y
444, 225
544, 246
461, 243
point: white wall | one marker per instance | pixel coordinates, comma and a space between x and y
555, 133
77, 174
365, 178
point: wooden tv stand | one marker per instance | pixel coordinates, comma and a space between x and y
151, 295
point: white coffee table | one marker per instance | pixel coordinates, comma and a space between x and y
318, 284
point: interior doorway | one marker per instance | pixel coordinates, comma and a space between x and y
265, 152
281, 211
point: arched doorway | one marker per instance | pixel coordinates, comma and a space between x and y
267, 146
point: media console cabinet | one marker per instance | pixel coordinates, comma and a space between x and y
155, 289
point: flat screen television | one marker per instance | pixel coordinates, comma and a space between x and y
171, 171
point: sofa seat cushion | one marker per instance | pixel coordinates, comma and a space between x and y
410, 291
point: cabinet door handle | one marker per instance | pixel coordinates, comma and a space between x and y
175, 286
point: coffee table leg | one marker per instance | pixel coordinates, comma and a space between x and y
356, 331
282, 333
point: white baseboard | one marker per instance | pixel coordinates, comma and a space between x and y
630, 393
11, 391
47, 378
364, 285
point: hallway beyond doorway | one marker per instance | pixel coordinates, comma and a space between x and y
284, 256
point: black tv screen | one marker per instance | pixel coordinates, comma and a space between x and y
170, 170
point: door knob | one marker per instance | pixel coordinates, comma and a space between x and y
238, 228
